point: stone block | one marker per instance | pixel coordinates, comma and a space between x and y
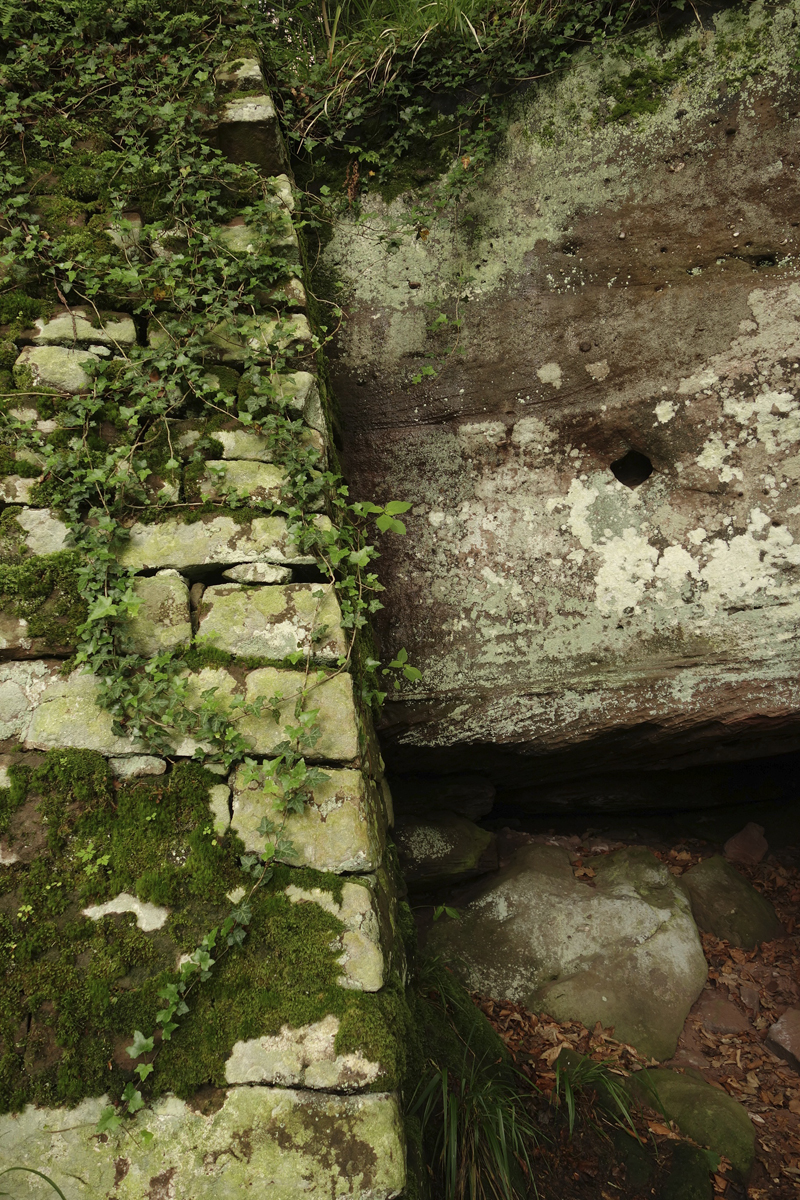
304, 1057
136, 766
68, 327
248, 132
239, 75
258, 573
261, 482
288, 1135
163, 622
218, 541
331, 697
274, 622
219, 799
342, 827
126, 233
44, 532
289, 291
55, 368
16, 489
361, 958
300, 393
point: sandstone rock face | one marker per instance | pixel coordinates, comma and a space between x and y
198, 1155
624, 289
625, 952
725, 904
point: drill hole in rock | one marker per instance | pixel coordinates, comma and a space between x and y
632, 469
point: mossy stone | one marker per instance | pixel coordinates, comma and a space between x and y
702, 1112
274, 622
333, 699
163, 621
689, 1175
54, 367
727, 906
218, 540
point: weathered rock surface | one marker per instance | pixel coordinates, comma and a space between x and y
624, 952
258, 573
725, 904
559, 617
261, 482
248, 131
135, 766
443, 848
342, 827
287, 1134
274, 622
705, 1113
364, 967
304, 1057
44, 532
783, 1038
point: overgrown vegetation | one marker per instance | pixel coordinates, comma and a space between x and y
396, 92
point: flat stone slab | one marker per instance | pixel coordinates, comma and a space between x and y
66, 327
705, 1113
55, 368
783, 1038
273, 622
304, 1057
727, 906
341, 828
44, 532
210, 540
624, 952
258, 573
288, 1144
137, 766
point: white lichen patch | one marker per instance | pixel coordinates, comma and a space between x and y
149, 917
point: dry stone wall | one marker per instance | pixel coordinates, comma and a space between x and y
283, 1075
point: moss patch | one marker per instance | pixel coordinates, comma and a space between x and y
44, 592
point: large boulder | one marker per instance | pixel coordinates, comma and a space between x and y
726, 905
601, 570
622, 949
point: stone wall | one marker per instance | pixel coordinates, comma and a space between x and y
626, 285
119, 853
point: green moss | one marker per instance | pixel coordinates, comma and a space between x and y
11, 465
17, 308
640, 91
44, 591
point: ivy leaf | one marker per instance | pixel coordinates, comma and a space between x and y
133, 1098
143, 1070
109, 1121
146, 1136
388, 524
140, 1044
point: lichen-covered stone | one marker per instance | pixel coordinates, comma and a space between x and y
219, 799
22, 685
44, 533
304, 1057
55, 368
727, 906
67, 714
66, 327
306, 1145
361, 958
300, 392
702, 1112
340, 829
127, 232
625, 952
163, 621
259, 482
258, 573
16, 489
274, 622
332, 698
218, 540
